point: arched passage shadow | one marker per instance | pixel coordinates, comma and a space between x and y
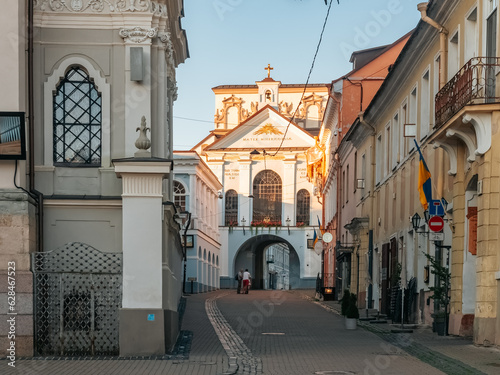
251, 255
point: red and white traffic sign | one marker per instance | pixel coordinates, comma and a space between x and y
436, 223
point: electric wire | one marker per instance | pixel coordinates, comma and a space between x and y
309, 75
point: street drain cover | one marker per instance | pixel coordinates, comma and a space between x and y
273, 333
330, 372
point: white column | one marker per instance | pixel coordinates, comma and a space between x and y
289, 193
218, 169
142, 291
244, 191
142, 231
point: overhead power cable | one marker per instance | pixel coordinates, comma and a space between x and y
309, 75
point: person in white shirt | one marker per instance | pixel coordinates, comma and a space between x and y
246, 281
239, 277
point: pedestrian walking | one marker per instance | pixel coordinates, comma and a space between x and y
239, 278
247, 279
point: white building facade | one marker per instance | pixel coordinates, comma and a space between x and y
258, 151
197, 191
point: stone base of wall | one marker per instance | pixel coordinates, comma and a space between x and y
16, 325
467, 325
147, 331
484, 331
362, 300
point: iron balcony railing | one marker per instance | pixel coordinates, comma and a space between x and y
475, 83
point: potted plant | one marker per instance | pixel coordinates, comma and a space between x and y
344, 302
440, 322
352, 313
440, 294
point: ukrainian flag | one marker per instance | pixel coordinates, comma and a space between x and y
424, 181
316, 238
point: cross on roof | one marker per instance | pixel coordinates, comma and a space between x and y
268, 70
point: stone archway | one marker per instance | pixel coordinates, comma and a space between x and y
251, 255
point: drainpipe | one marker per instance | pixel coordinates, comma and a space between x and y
372, 213
443, 77
443, 42
38, 197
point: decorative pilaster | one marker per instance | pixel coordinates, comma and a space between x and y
245, 209
142, 316
289, 188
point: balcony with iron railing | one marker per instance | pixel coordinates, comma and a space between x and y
474, 83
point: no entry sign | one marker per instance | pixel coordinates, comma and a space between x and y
436, 223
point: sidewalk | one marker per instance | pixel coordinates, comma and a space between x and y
427, 345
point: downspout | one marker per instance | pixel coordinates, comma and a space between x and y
443, 42
443, 78
31, 135
372, 221
360, 84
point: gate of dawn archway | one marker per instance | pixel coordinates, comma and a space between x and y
251, 255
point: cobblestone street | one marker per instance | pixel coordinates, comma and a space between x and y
283, 332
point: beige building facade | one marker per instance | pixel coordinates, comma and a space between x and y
442, 93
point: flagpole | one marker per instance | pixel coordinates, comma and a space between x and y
449, 220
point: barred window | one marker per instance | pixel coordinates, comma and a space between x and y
77, 120
267, 189
179, 196
303, 207
231, 208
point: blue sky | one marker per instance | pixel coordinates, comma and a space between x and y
232, 41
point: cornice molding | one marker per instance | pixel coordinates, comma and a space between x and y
101, 6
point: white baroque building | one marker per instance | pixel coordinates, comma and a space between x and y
258, 151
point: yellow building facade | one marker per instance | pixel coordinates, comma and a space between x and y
442, 92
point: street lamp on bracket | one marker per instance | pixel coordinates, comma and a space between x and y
415, 222
184, 220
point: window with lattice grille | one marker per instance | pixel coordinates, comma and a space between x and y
179, 196
267, 192
231, 208
77, 121
303, 207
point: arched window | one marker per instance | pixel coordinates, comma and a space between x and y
179, 196
231, 210
77, 120
267, 197
303, 207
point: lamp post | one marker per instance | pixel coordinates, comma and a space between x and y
185, 216
288, 223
